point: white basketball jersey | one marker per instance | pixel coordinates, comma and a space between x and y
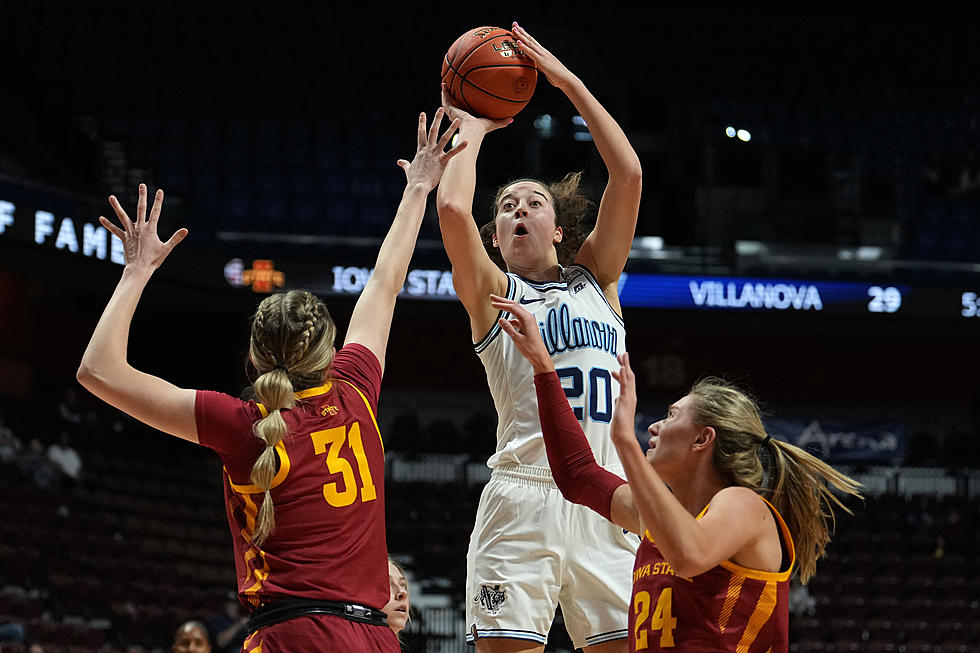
584, 335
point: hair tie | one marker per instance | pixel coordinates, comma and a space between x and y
283, 368
766, 440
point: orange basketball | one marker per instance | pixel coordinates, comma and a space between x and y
487, 74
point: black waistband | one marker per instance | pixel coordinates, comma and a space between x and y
282, 610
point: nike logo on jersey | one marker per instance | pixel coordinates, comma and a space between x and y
526, 300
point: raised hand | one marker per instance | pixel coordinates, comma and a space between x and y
454, 112
624, 411
141, 244
431, 156
554, 70
522, 327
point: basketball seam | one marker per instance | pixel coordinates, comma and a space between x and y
477, 47
483, 90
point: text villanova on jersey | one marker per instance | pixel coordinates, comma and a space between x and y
561, 332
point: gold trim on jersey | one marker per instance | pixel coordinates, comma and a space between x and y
367, 405
247, 488
757, 574
760, 616
276, 480
731, 598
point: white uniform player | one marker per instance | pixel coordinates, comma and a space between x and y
531, 549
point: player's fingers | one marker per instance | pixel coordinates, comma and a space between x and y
421, 132
120, 213
507, 327
459, 147
448, 134
113, 229
504, 304
523, 36
141, 206
178, 236
436, 122
157, 206
624, 362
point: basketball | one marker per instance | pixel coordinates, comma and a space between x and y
487, 74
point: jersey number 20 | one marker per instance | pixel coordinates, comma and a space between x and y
335, 438
598, 397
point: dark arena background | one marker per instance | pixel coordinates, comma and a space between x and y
809, 228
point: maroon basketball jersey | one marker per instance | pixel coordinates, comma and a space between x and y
329, 539
727, 608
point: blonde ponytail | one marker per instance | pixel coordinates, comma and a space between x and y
793, 481
801, 488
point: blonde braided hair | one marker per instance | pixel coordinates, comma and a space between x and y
291, 347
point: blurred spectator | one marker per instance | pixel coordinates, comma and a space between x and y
35, 466
801, 604
967, 179
228, 626
191, 637
69, 409
933, 175
12, 631
64, 456
10, 444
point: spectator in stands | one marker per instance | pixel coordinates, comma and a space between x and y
801, 604
35, 466
398, 605
66, 458
968, 175
11, 630
10, 444
227, 628
69, 409
306, 512
191, 637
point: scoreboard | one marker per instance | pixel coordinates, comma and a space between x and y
42, 221
883, 298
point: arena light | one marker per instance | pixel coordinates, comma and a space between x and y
744, 135
730, 131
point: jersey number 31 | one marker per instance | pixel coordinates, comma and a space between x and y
335, 438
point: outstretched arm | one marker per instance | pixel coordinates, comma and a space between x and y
608, 246
576, 473
104, 369
732, 528
370, 323
474, 274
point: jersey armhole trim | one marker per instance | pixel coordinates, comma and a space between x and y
495, 329
595, 284
367, 404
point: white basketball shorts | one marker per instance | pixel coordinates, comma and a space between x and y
532, 550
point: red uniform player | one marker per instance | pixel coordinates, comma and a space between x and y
304, 462
712, 572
